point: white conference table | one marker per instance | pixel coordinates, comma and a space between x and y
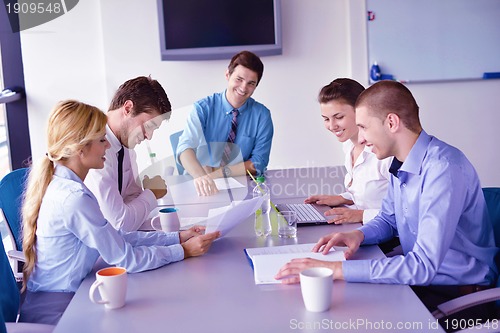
286, 186
296, 183
216, 293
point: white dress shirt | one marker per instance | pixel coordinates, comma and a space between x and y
126, 210
366, 182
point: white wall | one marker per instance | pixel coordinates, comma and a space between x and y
465, 114
289, 85
63, 59
90, 51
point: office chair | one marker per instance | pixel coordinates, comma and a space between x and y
174, 141
3, 328
11, 194
10, 302
492, 197
9, 295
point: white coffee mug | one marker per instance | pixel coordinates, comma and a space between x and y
167, 220
317, 285
111, 282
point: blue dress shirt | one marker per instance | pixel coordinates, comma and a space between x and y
72, 233
436, 205
210, 122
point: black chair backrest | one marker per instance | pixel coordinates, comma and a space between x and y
492, 198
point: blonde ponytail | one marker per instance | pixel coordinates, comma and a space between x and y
72, 125
39, 179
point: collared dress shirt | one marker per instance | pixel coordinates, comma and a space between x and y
129, 209
366, 182
210, 122
72, 233
436, 205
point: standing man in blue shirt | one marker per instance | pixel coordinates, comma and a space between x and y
228, 119
435, 205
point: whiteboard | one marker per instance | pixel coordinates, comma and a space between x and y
429, 40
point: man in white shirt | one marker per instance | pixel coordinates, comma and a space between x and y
136, 111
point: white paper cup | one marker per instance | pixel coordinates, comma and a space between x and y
111, 282
167, 220
316, 285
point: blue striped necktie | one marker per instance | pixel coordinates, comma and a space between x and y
226, 157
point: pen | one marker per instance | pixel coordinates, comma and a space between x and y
260, 189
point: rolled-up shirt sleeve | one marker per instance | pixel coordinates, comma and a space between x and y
263, 141
192, 136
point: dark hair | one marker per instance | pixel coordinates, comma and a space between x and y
346, 90
249, 60
147, 95
386, 97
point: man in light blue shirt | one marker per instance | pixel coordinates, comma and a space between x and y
201, 145
434, 204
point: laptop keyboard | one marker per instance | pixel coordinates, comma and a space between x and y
306, 212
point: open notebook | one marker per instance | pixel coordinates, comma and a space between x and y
267, 261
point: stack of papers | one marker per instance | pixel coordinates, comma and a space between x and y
267, 261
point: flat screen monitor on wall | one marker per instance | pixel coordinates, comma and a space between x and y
218, 29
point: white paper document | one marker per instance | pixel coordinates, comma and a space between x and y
227, 183
188, 222
182, 190
224, 219
267, 261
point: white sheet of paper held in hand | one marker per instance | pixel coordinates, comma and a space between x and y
224, 219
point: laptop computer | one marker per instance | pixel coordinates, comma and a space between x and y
307, 214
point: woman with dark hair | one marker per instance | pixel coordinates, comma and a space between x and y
367, 177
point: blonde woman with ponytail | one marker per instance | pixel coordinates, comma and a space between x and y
64, 231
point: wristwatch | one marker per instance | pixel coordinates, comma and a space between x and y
226, 172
